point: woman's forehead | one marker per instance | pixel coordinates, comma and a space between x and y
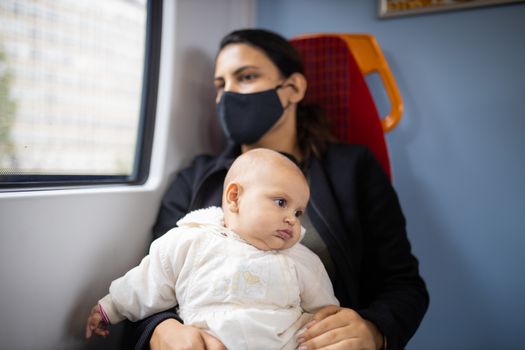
235, 56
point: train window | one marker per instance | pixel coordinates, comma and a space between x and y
77, 91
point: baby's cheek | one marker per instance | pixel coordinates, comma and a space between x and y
297, 235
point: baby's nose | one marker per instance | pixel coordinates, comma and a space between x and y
290, 219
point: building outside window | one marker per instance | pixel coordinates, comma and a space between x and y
71, 77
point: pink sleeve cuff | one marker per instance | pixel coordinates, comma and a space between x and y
103, 314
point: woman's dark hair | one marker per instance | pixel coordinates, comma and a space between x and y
313, 129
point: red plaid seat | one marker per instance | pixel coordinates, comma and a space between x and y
336, 84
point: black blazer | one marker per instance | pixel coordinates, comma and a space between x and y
356, 212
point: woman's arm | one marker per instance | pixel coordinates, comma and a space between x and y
394, 293
175, 204
390, 292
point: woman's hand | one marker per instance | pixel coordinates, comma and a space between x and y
173, 335
335, 327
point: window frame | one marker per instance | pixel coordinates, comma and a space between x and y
145, 134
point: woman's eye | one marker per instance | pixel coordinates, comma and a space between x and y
298, 213
218, 83
248, 77
280, 202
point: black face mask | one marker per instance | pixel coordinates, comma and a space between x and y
245, 118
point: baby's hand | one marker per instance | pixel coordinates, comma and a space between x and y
96, 323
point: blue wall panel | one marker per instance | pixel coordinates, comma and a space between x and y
457, 155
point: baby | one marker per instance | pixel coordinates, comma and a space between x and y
236, 272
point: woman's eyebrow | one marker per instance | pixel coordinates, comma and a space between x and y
237, 71
243, 68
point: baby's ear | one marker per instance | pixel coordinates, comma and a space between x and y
232, 193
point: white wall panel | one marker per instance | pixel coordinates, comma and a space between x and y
59, 249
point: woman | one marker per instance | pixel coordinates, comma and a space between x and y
354, 221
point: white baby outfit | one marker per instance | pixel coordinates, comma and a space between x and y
248, 298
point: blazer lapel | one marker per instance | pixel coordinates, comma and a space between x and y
326, 217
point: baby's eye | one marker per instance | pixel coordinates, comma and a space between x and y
298, 213
280, 202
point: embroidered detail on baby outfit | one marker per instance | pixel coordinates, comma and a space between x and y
250, 278
247, 281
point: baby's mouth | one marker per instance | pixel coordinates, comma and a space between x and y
285, 234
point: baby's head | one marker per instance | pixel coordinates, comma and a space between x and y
264, 195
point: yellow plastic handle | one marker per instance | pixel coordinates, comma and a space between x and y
370, 58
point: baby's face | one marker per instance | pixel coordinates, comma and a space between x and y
270, 208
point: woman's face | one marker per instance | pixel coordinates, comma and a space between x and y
243, 68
